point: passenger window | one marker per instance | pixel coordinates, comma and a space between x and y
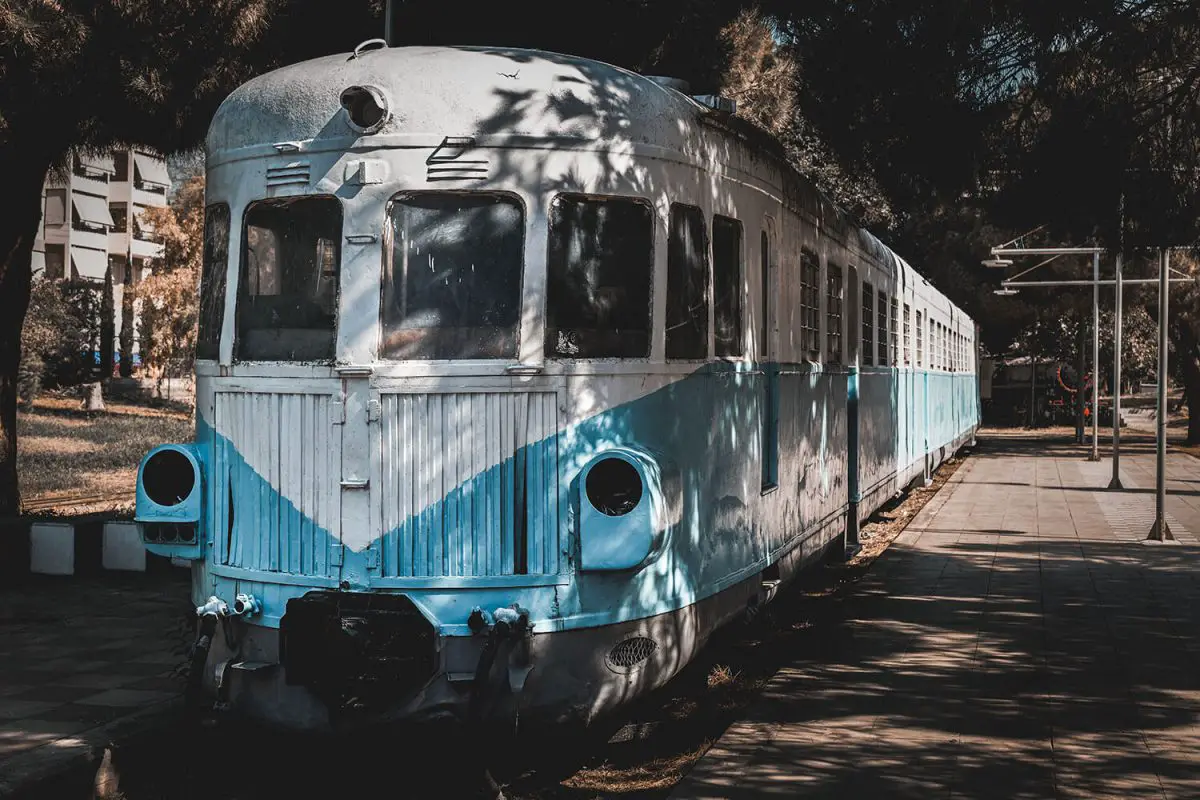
907, 334
810, 309
287, 295
833, 314
452, 281
687, 284
600, 262
868, 323
920, 340
767, 297
727, 285
212, 281
894, 331
881, 311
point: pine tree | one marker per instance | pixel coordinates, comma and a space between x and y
127, 325
107, 325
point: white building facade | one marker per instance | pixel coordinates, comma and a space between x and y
92, 218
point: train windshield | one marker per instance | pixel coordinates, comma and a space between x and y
212, 280
452, 284
600, 263
287, 295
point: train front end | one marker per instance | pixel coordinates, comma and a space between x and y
378, 506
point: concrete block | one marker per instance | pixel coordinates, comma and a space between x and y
123, 548
52, 548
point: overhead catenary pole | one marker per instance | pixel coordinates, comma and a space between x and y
1160, 531
1095, 456
1115, 483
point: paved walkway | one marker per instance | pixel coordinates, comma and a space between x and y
1017, 641
82, 658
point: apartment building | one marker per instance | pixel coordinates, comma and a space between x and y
91, 219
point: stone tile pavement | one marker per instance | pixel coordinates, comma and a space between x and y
80, 658
1017, 641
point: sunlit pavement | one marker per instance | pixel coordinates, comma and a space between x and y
1017, 641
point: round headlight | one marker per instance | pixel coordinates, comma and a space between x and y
366, 107
614, 486
168, 477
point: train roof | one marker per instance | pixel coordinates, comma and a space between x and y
503, 92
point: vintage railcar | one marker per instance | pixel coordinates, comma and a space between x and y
519, 374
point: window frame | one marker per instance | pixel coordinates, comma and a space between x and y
739, 293
834, 346
387, 266
894, 329
867, 334
219, 298
810, 312
242, 275
650, 278
706, 252
881, 343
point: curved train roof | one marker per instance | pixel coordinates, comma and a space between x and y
483, 91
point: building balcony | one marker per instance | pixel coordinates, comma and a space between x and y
119, 191
144, 249
142, 197
95, 240
89, 186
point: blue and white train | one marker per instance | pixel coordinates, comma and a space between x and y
519, 374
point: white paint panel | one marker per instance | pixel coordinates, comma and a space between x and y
52, 548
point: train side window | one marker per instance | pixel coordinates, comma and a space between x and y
894, 331
833, 314
287, 295
868, 323
881, 329
767, 297
727, 286
687, 284
810, 308
907, 334
213, 274
452, 281
600, 263
920, 324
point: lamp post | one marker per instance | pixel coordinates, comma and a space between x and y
1115, 484
1160, 531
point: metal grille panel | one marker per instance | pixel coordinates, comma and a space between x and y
469, 484
277, 497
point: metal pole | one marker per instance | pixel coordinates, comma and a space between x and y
1115, 483
387, 22
1095, 456
1161, 532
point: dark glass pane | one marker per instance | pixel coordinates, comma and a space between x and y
810, 309
767, 296
687, 284
868, 323
453, 284
727, 285
287, 295
600, 262
212, 281
881, 310
833, 314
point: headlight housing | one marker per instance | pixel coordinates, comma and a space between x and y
170, 501
627, 501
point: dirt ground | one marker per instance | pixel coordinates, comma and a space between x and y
73, 462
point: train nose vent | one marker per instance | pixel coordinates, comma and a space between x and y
629, 654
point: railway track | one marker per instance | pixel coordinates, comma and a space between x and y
50, 502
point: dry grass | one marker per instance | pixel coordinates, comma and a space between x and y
64, 452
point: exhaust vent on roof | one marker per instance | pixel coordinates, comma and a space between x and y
678, 84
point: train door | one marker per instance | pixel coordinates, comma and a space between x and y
853, 334
770, 369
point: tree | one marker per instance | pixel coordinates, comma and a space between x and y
107, 325
88, 74
169, 296
127, 325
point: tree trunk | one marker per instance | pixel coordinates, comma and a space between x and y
24, 175
1187, 350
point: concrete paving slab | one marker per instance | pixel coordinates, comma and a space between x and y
1017, 641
